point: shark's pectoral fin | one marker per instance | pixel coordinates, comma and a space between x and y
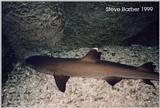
112, 80
61, 82
146, 81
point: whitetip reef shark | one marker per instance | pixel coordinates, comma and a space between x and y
91, 66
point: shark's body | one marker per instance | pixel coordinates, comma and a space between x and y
90, 66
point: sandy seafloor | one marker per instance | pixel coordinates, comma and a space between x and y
28, 88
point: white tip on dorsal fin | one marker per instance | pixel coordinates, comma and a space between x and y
92, 55
95, 48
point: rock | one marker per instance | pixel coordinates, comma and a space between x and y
37, 26
89, 25
32, 26
8, 59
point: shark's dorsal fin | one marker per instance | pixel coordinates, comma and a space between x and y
92, 55
61, 82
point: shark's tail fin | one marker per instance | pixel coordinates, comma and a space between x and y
149, 68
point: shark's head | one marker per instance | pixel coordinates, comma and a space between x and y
31, 60
37, 60
38, 63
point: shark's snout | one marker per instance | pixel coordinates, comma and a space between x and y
31, 60
37, 60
